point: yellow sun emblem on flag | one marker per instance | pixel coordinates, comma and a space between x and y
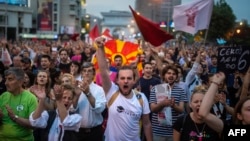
127, 50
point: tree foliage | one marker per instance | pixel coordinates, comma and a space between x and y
222, 21
241, 34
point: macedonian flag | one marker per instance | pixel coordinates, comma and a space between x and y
127, 50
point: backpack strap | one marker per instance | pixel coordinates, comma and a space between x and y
138, 96
112, 99
114, 96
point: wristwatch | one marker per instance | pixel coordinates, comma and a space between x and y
16, 117
88, 94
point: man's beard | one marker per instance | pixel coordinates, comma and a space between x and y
122, 92
171, 84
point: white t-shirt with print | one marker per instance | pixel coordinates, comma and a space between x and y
124, 116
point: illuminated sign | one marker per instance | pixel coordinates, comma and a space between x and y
14, 2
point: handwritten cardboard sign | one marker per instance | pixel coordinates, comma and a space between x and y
231, 59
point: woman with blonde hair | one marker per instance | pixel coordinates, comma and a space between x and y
192, 126
67, 78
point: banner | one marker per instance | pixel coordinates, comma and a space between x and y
44, 16
231, 59
67, 29
14, 2
193, 16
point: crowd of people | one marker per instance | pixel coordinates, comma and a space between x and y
52, 91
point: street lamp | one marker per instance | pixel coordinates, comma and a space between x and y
132, 30
238, 31
87, 23
86, 16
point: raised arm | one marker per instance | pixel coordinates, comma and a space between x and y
154, 54
62, 110
191, 74
41, 95
102, 64
211, 120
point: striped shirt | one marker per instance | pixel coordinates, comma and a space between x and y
179, 96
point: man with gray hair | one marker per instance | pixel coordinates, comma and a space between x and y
16, 104
90, 105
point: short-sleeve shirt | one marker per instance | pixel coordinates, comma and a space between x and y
190, 132
166, 130
124, 116
22, 105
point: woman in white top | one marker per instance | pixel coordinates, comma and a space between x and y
63, 125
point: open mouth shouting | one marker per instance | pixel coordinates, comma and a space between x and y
125, 89
170, 79
66, 105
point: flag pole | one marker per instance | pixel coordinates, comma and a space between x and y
208, 26
206, 32
206, 36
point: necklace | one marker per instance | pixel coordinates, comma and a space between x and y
199, 132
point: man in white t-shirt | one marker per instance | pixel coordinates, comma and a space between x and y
126, 111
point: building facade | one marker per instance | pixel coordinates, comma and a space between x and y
120, 24
15, 18
45, 19
58, 17
157, 10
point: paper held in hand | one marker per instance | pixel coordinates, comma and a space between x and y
162, 92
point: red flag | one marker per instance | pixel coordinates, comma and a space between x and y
94, 33
74, 36
107, 34
150, 31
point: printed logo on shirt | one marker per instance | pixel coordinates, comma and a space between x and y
19, 108
120, 109
193, 136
